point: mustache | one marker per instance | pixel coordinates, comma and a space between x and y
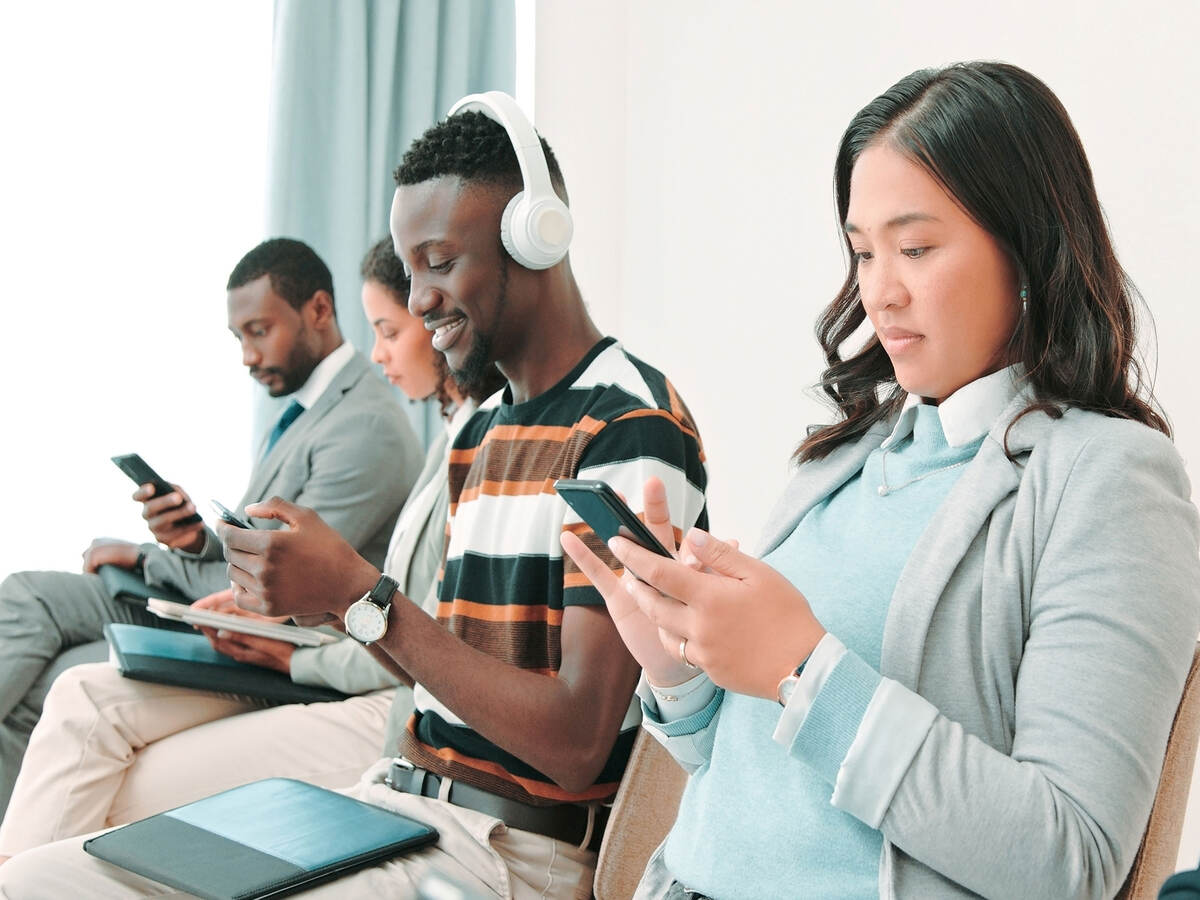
256, 371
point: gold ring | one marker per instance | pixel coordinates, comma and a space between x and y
683, 655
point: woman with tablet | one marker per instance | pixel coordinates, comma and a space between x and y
109, 750
953, 669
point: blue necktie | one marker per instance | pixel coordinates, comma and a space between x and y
289, 416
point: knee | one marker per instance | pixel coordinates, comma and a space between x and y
77, 696
27, 874
15, 873
18, 585
24, 594
90, 680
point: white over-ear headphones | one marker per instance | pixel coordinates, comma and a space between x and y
536, 227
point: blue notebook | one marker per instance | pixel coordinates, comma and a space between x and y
263, 839
187, 659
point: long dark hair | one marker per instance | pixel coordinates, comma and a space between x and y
999, 141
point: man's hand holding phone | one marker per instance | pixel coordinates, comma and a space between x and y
168, 511
306, 569
171, 518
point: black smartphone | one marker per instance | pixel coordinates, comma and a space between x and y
141, 473
228, 515
606, 513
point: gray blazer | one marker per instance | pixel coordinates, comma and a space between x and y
352, 457
1044, 625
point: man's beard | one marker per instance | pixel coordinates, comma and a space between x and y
473, 369
476, 364
299, 366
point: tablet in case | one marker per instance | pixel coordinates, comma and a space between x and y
187, 659
263, 839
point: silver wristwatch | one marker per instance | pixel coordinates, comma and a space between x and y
787, 685
367, 617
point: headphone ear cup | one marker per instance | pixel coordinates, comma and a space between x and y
506, 230
536, 234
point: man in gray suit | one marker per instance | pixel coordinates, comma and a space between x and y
343, 446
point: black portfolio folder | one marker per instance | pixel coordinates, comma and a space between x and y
263, 839
123, 584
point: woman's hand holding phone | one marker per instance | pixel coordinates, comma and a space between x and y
646, 642
742, 621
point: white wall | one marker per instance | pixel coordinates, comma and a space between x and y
698, 139
133, 179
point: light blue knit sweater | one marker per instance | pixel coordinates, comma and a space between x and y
846, 556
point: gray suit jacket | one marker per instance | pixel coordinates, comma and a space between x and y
1039, 636
352, 457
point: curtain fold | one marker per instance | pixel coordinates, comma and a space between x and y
352, 83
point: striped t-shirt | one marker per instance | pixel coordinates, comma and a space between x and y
505, 581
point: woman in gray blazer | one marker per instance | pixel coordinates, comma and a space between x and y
953, 668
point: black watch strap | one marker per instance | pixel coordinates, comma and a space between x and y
381, 594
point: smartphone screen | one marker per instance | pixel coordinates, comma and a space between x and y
228, 515
606, 513
140, 473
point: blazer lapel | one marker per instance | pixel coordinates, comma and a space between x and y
268, 467
944, 544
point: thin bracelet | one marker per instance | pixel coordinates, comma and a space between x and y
661, 694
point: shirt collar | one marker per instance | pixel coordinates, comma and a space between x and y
322, 376
969, 412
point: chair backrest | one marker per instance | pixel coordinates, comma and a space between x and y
642, 814
1155, 860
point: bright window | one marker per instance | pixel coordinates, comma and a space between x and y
133, 178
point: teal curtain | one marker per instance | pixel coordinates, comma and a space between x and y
353, 82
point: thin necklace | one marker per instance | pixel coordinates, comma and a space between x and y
884, 488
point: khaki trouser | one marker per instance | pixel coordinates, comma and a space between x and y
18, 725
110, 750
473, 849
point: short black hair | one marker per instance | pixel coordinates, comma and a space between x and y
295, 270
382, 266
476, 149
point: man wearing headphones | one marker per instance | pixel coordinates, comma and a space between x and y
524, 714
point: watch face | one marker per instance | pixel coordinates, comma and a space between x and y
365, 621
787, 688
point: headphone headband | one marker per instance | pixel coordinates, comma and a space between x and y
536, 227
